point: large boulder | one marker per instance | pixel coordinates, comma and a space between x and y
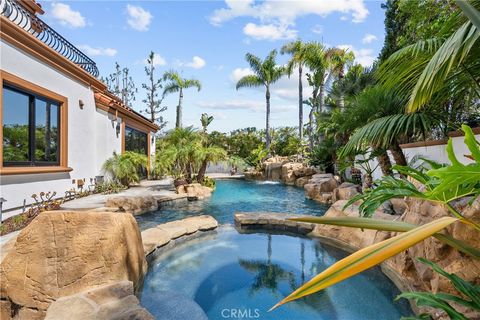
134, 204
320, 187
346, 191
254, 175
195, 191
288, 172
62, 253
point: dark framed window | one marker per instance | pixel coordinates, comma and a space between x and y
136, 141
31, 129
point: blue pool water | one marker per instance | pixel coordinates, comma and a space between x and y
232, 196
227, 275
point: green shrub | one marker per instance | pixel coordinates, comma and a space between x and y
209, 182
125, 168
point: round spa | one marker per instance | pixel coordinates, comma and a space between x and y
228, 275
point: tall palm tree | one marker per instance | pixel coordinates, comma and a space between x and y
264, 74
298, 50
318, 63
339, 59
178, 84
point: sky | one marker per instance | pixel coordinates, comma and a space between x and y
208, 40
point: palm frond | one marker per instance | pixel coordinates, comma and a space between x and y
249, 81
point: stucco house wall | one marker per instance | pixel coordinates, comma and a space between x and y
92, 134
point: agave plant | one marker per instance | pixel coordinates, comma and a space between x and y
442, 185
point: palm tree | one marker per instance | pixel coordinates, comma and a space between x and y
265, 72
298, 50
379, 116
205, 119
318, 63
442, 68
339, 59
178, 84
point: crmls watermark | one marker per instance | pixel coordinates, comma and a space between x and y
240, 313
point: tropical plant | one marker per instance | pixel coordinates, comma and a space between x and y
126, 167
205, 119
265, 73
384, 124
339, 60
153, 100
442, 185
441, 68
256, 157
183, 153
470, 295
177, 84
298, 50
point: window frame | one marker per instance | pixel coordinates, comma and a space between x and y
13, 82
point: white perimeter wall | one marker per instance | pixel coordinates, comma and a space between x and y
91, 134
437, 153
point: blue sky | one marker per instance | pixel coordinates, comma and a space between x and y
208, 40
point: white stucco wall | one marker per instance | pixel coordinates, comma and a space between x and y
91, 135
437, 153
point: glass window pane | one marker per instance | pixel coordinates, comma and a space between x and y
136, 141
46, 127
15, 126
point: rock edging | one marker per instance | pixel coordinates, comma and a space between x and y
161, 235
113, 301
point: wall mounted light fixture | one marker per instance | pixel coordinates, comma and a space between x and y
81, 104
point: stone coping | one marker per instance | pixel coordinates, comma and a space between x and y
161, 235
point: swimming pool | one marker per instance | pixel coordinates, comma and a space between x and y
228, 275
233, 195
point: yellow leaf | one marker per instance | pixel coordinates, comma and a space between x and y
367, 258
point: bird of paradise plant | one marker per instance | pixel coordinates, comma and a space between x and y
441, 185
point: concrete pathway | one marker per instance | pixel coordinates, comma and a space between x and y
163, 187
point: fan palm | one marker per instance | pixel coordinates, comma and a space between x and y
125, 167
265, 73
298, 50
178, 84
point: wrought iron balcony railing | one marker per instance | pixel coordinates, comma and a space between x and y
16, 13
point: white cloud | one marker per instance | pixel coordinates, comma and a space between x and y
239, 73
368, 38
251, 105
68, 17
269, 31
363, 56
196, 63
318, 29
158, 60
286, 12
98, 51
138, 18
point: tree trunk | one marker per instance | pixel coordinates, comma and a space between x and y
189, 173
310, 128
398, 154
179, 110
321, 102
267, 125
384, 163
300, 104
201, 172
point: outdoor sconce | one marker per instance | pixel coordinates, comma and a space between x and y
117, 128
81, 104
153, 139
